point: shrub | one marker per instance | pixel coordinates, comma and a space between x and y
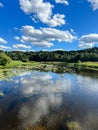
4, 59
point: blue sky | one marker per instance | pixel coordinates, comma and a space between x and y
29, 25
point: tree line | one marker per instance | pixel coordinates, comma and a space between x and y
59, 55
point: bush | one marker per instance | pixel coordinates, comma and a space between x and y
4, 59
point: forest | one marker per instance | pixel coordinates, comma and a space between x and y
48, 56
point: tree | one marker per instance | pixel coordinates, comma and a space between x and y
62, 56
4, 59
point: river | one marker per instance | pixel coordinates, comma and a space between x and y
35, 100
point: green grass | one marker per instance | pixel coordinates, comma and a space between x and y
7, 70
19, 64
89, 64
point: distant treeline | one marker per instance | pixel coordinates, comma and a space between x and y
59, 55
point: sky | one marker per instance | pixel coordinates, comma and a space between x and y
48, 25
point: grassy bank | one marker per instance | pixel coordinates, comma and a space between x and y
15, 64
20, 64
88, 65
15, 67
52, 66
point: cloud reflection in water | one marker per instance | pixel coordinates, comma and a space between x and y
51, 97
44, 84
49, 93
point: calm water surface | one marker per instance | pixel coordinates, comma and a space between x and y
48, 101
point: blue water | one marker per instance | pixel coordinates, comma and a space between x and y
48, 101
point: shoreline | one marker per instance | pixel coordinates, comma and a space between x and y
85, 68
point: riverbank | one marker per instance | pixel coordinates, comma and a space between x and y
83, 68
52, 66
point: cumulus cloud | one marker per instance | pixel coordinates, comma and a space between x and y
87, 41
2, 40
43, 11
1, 5
62, 2
4, 47
57, 20
21, 46
16, 38
94, 4
45, 36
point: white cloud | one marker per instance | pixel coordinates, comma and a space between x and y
86, 45
1, 5
94, 4
4, 47
21, 46
62, 2
45, 36
58, 49
2, 40
43, 11
16, 38
35, 41
57, 20
90, 38
88, 41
